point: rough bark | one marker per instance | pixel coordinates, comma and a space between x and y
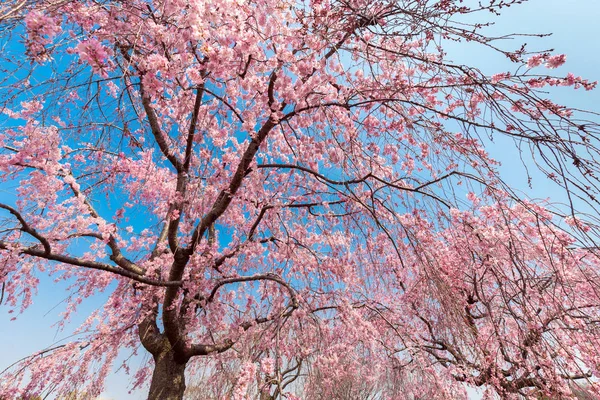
168, 379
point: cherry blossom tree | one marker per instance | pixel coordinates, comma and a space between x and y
288, 196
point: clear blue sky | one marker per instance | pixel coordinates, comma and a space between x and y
576, 30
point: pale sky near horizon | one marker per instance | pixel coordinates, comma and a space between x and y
575, 25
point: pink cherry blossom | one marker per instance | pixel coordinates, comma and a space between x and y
277, 199
556, 61
536, 60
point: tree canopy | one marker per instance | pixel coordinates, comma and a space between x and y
294, 199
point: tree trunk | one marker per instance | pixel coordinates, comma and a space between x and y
168, 379
266, 395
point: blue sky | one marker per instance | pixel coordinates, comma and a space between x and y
576, 29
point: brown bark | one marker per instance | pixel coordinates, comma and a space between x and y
265, 395
168, 379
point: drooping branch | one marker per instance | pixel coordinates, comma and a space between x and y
25, 227
258, 277
129, 269
316, 174
221, 259
204, 349
117, 255
65, 259
368, 176
71, 180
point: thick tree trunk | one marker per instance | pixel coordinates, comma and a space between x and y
265, 395
168, 379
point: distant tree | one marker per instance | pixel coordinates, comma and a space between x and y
254, 183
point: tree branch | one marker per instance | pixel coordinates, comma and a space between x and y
257, 277
25, 227
65, 259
